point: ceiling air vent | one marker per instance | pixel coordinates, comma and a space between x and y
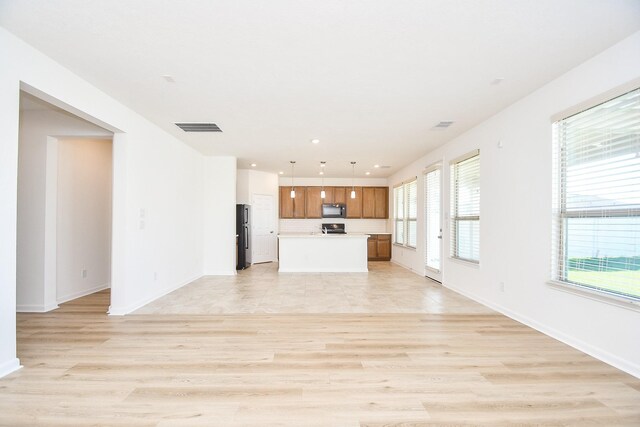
443, 124
199, 127
385, 167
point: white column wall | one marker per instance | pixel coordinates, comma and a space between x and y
515, 216
219, 216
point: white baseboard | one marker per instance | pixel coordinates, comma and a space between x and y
600, 354
83, 293
9, 366
121, 311
35, 308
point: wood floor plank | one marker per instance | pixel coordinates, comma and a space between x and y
438, 368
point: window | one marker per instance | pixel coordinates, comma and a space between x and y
406, 213
465, 207
596, 229
398, 196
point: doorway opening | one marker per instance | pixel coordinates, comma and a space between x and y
264, 219
64, 228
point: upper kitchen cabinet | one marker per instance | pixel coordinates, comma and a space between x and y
314, 202
370, 202
329, 195
292, 208
382, 202
339, 195
354, 206
375, 202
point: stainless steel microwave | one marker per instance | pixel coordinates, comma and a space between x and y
334, 210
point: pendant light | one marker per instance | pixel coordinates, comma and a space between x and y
293, 190
322, 192
353, 186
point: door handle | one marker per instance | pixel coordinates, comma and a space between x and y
271, 232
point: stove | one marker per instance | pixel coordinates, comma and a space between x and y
334, 228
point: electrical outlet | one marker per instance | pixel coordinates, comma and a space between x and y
84, 273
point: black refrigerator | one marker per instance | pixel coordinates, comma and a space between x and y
243, 230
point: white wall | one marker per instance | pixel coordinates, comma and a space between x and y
36, 222
84, 217
219, 216
157, 242
515, 236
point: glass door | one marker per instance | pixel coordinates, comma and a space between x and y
433, 221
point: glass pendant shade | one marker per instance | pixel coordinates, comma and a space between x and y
353, 194
323, 194
293, 193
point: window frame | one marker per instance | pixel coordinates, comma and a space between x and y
561, 214
406, 218
455, 219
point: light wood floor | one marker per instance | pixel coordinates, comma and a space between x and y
369, 369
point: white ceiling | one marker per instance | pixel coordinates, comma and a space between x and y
369, 78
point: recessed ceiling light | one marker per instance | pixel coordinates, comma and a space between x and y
281, 173
253, 165
376, 166
497, 80
315, 141
367, 173
323, 164
321, 173
168, 78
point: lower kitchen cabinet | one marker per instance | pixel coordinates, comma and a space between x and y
379, 247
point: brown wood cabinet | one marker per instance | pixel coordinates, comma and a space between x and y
375, 202
313, 202
379, 247
292, 208
354, 206
329, 195
381, 195
339, 195
370, 202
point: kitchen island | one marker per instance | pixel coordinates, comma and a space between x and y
315, 252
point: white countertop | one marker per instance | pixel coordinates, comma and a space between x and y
322, 236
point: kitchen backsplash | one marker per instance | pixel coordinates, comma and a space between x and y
351, 225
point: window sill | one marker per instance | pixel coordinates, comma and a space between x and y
468, 263
398, 245
601, 296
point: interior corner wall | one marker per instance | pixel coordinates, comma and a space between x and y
219, 192
515, 216
157, 193
37, 160
83, 205
242, 187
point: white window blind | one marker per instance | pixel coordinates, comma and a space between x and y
406, 213
465, 207
596, 233
432, 218
412, 213
398, 196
